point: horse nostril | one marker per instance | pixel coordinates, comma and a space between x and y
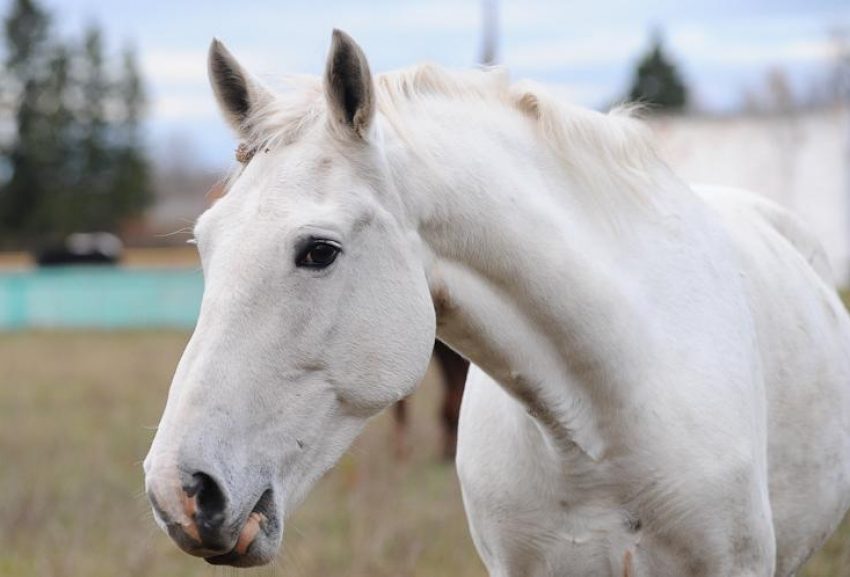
210, 503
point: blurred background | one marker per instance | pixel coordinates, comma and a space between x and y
111, 145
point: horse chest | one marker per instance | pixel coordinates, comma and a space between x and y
535, 513
531, 516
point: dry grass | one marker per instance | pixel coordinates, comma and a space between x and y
173, 256
182, 256
15, 260
74, 416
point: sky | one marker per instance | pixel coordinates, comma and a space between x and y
584, 49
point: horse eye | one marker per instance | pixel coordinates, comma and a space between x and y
318, 254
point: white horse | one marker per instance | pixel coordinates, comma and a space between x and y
664, 382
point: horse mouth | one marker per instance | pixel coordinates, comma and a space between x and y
258, 540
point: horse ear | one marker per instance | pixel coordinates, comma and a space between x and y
239, 94
348, 86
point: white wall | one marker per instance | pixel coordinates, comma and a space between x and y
801, 161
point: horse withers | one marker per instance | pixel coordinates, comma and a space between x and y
662, 373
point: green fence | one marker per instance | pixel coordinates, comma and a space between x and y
100, 297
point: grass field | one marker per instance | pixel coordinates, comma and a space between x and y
76, 412
172, 256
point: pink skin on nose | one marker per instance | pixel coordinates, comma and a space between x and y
246, 536
190, 506
249, 532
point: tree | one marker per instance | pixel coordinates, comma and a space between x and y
132, 167
56, 148
25, 30
95, 154
657, 82
76, 160
25, 33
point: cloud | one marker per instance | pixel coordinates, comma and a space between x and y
600, 48
184, 106
585, 93
184, 66
690, 45
421, 18
180, 89
697, 45
189, 66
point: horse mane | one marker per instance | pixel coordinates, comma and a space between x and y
606, 151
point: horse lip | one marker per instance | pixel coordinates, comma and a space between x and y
256, 528
231, 558
260, 524
187, 542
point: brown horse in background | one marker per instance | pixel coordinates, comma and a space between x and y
453, 368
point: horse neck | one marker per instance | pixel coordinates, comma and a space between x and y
525, 273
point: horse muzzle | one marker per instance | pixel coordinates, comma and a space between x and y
200, 517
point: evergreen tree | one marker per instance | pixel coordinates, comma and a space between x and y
132, 168
25, 30
25, 33
96, 165
657, 82
56, 163
76, 161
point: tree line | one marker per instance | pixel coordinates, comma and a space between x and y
71, 145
